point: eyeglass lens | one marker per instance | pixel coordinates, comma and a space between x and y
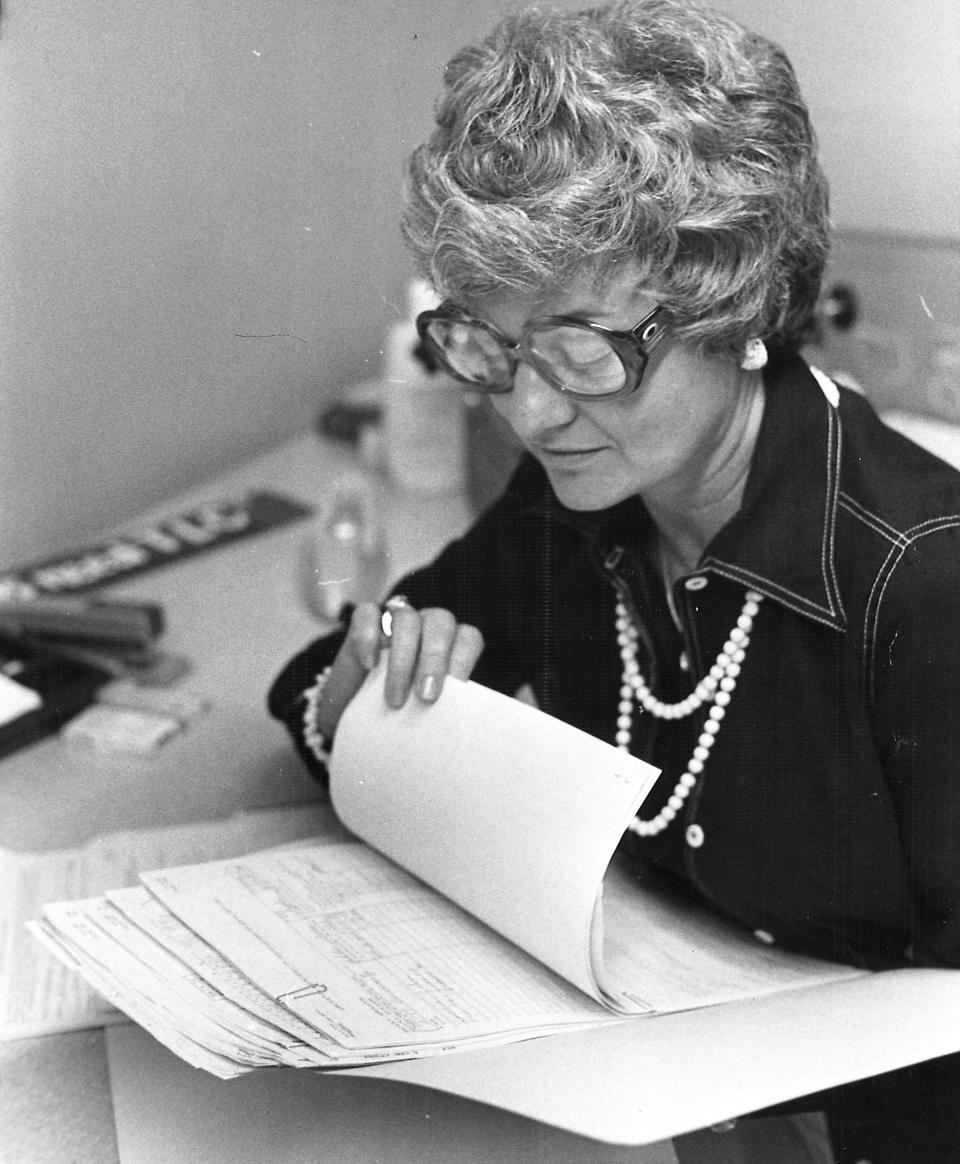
568, 356
578, 358
472, 352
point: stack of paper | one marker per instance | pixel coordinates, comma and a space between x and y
38, 995
333, 955
320, 957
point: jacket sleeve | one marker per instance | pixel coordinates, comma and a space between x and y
286, 698
917, 673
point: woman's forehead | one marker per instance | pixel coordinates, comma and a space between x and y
610, 300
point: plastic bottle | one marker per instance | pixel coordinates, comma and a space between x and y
424, 423
346, 560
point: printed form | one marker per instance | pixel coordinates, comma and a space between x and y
38, 995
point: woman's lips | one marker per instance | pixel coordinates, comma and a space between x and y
567, 455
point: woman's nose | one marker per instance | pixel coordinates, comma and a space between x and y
533, 405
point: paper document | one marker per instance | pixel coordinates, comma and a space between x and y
359, 948
663, 952
480, 907
38, 995
507, 811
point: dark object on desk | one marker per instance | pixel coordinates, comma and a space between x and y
65, 685
345, 422
166, 541
116, 637
126, 626
147, 668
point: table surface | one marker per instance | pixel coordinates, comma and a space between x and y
238, 613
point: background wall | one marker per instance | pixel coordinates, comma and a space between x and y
883, 83
198, 216
197, 234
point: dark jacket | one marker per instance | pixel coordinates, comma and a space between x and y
829, 812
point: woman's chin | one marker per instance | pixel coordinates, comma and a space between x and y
584, 491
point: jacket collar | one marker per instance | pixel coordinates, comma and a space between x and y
781, 542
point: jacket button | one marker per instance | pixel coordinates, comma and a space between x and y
697, 582
694, 836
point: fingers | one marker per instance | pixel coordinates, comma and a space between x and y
526, 694
405, 636
466, 651
425, 647
365, 636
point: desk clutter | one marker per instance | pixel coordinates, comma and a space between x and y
40, 689
92, 668
127, 717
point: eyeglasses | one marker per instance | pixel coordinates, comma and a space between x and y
583, 359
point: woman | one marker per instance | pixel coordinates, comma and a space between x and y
711, 555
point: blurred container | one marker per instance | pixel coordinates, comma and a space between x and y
424, 426
346, 560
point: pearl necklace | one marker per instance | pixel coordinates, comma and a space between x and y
717, 687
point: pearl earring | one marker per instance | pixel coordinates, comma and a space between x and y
754, 355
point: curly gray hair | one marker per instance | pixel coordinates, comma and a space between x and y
649, 132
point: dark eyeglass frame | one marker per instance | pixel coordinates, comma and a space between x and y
632, 348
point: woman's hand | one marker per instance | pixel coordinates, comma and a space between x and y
423, 648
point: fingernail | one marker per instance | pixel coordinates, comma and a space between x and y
429, 688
